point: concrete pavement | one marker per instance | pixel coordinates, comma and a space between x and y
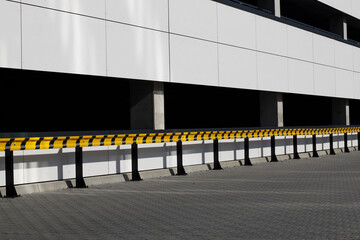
314, 198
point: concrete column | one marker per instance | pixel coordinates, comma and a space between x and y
338, 25
340, 111
270, 5
271, 109
159, 106
147, 105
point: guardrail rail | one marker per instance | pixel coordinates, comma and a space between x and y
9, 145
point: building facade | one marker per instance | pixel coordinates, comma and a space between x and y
175, 64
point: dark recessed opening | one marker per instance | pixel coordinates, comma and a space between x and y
36, 101
354, 112
304, 110
193, 106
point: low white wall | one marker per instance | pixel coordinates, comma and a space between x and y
56, 164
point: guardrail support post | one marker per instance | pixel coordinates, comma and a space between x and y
80, 183
134, 163
247, 161
332, 152
315, 154
179, 153
273, 154
296, 154
346, 148
217, 165
9, 172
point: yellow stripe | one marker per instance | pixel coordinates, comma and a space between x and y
31, 143
129, 140
45, 143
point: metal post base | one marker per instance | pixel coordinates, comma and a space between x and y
180, 166
217, 165
247, 161
135, 176
9, 175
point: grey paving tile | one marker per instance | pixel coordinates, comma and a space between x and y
304, 199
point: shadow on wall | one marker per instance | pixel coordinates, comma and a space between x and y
49, 165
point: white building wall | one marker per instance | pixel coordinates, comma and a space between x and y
184, 41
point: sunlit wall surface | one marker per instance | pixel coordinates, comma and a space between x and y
182, 41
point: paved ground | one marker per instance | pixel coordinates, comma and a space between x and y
297, 199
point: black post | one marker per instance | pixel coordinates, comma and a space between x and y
332, 151
246, 152
296, 154
80, 183
217, 165
9, 172
273, 154
180, 166
358, 141
346, 148
315, 154
134, 163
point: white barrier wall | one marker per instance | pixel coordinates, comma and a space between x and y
184, 41
34, 166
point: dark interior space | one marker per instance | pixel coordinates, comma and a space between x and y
36, 101
353, 30
305, 110
354, 112
251, 3
310, 12
193, 106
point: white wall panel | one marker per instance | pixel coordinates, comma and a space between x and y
272, 73
10, 35
271, 36
356, 55
237, 67
344, 56
344, 83
193, 61
137, 53
324, 50
94, 8
357, 85
145, 13
324, 80
62, 42
40, 165
236, 27
196, 18
355, 6
301, 77
300, 44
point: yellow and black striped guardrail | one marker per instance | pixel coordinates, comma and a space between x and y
9, 145
32, 143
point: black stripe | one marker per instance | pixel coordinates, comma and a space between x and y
113, 140
102, 141
64, 145
162, 138
91, 141
37, 145
124, 139
8, 144
145, 138
23, 143
78, 142
51, 144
